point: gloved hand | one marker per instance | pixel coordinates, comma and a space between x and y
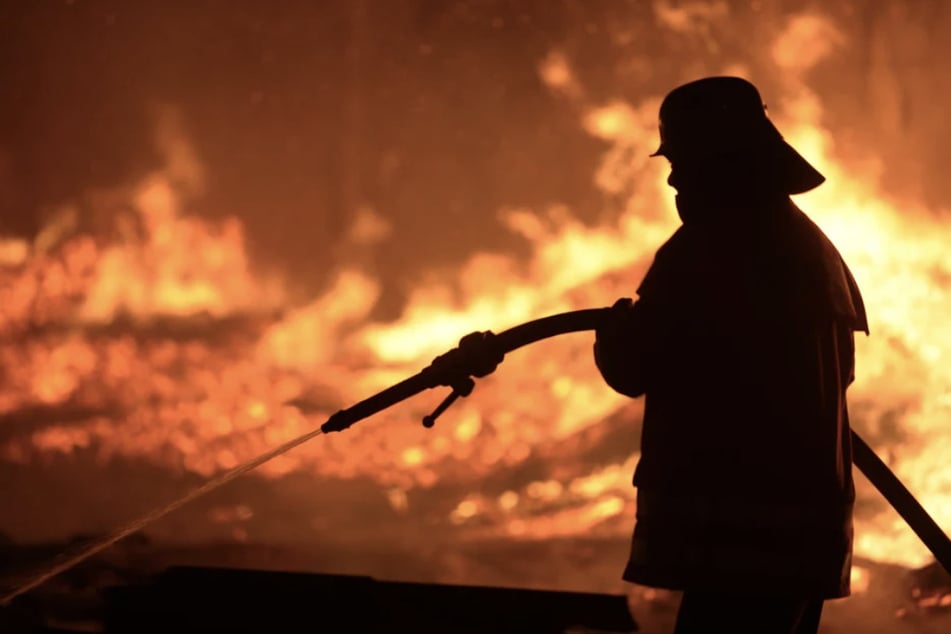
617, 353
478, 355
617, 323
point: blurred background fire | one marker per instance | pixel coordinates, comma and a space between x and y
209, 208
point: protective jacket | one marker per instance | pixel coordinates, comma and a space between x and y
741, 341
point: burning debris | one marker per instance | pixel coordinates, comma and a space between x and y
159, 343
167, 348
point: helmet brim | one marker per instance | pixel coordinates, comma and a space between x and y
798, 174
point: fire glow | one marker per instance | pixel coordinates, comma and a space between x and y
129, 330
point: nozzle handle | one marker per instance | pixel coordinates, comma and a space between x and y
461, 388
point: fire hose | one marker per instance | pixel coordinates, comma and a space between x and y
454, 370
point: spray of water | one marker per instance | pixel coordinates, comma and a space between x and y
48, 572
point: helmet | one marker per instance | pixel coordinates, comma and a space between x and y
710, 117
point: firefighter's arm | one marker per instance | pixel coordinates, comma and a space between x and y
618, 349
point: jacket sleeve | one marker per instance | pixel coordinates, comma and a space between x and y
621, 351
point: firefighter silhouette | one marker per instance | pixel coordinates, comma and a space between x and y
741, 340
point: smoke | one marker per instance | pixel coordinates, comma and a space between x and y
806, 40
180, 162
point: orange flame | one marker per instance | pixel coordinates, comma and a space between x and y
189, 400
